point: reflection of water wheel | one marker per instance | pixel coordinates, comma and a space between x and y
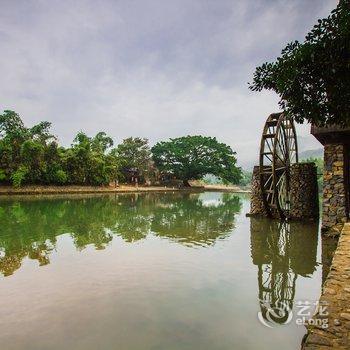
276, 279
278, 151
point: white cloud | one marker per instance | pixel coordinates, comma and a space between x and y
156, 69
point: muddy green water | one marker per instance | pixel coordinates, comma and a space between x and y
151, 271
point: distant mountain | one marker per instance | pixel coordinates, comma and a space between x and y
307, 142
305, 154
311, 153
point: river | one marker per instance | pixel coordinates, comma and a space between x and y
152, 271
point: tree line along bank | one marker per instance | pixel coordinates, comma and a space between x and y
32, 155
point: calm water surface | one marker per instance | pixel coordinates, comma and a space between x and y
150, 271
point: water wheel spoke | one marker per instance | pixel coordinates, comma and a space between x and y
269, 146
280, 158
278, 150
268, 157
281, 148
280, 179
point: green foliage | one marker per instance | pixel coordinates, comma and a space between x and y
19, 176
192, 157
2, 175
33, 156
134, 154
11, 125
101, 142
246, 178
60, 177
88, 162
313, 77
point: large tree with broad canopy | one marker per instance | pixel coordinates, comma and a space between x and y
192, 157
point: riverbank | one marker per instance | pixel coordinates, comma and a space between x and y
336, 298
30, 190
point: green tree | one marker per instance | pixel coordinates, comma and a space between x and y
87, 161
11, 126
246, 178
54, 170
134, 154
115, 165
22, 150
101, 142
33, 156
12, 135
313, 78
192, 157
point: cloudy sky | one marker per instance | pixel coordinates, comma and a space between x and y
150, 68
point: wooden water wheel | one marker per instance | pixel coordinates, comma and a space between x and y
278, 151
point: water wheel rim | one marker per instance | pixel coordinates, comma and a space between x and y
278, 150
266, 163
285, 154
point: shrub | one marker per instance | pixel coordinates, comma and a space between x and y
18, 176
60, 177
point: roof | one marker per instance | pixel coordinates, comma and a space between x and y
331, 134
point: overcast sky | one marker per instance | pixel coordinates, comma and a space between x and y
155, 69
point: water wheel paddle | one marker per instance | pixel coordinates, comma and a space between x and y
278, 151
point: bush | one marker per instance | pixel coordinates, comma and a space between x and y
60, 177
2, 175
18, 176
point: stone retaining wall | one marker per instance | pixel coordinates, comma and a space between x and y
334, 200
256, 202
336, 296
304, 193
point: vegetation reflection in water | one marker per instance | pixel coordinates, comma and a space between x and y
31, 230
258, 265
282, 251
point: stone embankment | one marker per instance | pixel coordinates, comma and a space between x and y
334, 198
303, 193
256, 202
46, 190
336, 298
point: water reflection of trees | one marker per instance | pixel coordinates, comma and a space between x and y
193, 222
282, 251
29, 229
